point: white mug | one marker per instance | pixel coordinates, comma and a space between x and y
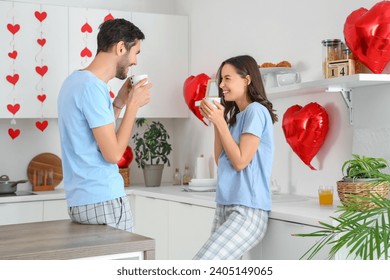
136, 78
211, 100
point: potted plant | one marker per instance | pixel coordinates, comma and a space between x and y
151, 150
362, 229
362, 175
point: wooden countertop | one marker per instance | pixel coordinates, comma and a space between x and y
60, 240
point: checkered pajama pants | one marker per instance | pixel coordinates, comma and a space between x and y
236, 229
115, 213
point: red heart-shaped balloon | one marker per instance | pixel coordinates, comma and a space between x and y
305, 130
195, 89
126, 158
367, 34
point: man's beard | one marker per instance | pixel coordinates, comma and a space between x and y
121, 72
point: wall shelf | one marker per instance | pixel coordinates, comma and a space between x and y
343, 85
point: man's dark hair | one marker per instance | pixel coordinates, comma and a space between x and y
116, 30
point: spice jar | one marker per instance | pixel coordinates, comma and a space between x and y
331, 51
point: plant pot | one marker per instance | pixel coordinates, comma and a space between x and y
361, 187
153, 175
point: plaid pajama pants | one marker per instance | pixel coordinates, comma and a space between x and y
236, 229
115, 213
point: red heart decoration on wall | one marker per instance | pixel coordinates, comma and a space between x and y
13, 109
41, 42
41, 125
41, 70
40, 15
112, 94
13, 133
13, 28
367, 34
194, 90
108, 17
86, 28
42, 97
85, 52
13, 54
305, 130
13, 79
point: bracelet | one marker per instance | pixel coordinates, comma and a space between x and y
113, 104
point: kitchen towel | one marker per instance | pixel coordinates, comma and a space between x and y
202, 168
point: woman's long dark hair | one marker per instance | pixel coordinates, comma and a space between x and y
245, 65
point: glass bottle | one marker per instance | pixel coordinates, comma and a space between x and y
186, 175
177, 177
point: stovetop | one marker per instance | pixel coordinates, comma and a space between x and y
19, 193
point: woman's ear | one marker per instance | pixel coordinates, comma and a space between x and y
248, 78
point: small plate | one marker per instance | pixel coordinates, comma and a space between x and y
202, 189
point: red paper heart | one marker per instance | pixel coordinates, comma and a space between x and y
13, 133
86, 28
42, 125
85, 52
40, 15
108, 17
367, 34
305, 130
112, 95
13, 54
41, 42
194, 90
13, 28
13, 109
42, 97
13, 79
41, 70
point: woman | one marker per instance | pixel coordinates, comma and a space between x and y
243, 149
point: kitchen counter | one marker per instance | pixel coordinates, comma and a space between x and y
298, 209
62, 240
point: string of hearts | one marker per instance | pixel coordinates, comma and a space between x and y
41, 70
13, 79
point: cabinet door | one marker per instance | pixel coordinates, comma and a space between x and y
21, 212
55, 210
36, 53
279, 244
164, 57
189, 228
151, 220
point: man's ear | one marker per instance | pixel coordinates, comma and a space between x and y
120, 48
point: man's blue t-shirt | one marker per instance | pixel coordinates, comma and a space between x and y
83, 104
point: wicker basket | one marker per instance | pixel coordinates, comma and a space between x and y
125, 172
361, 188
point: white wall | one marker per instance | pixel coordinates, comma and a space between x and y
272, 31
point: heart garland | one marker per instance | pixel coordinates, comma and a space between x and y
367, 34
86, 28
13, 54
305, 129
13, 109
108, 17
13, 133
13, 28
13, 79
41, 16
86, 53
42, 125
194, 89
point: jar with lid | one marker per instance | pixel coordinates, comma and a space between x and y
332, 50
186, 175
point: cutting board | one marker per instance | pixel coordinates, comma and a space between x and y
45, 162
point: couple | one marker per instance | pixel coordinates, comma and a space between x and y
91, 145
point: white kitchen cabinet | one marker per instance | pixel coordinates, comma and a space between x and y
165, 58
55, 210
189, 228
279, 244
36, 44
151, 220
21, 212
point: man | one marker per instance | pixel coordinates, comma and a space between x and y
91, 146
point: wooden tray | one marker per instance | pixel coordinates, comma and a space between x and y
46, 161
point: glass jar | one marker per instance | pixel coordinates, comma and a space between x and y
177, 177
332, 50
